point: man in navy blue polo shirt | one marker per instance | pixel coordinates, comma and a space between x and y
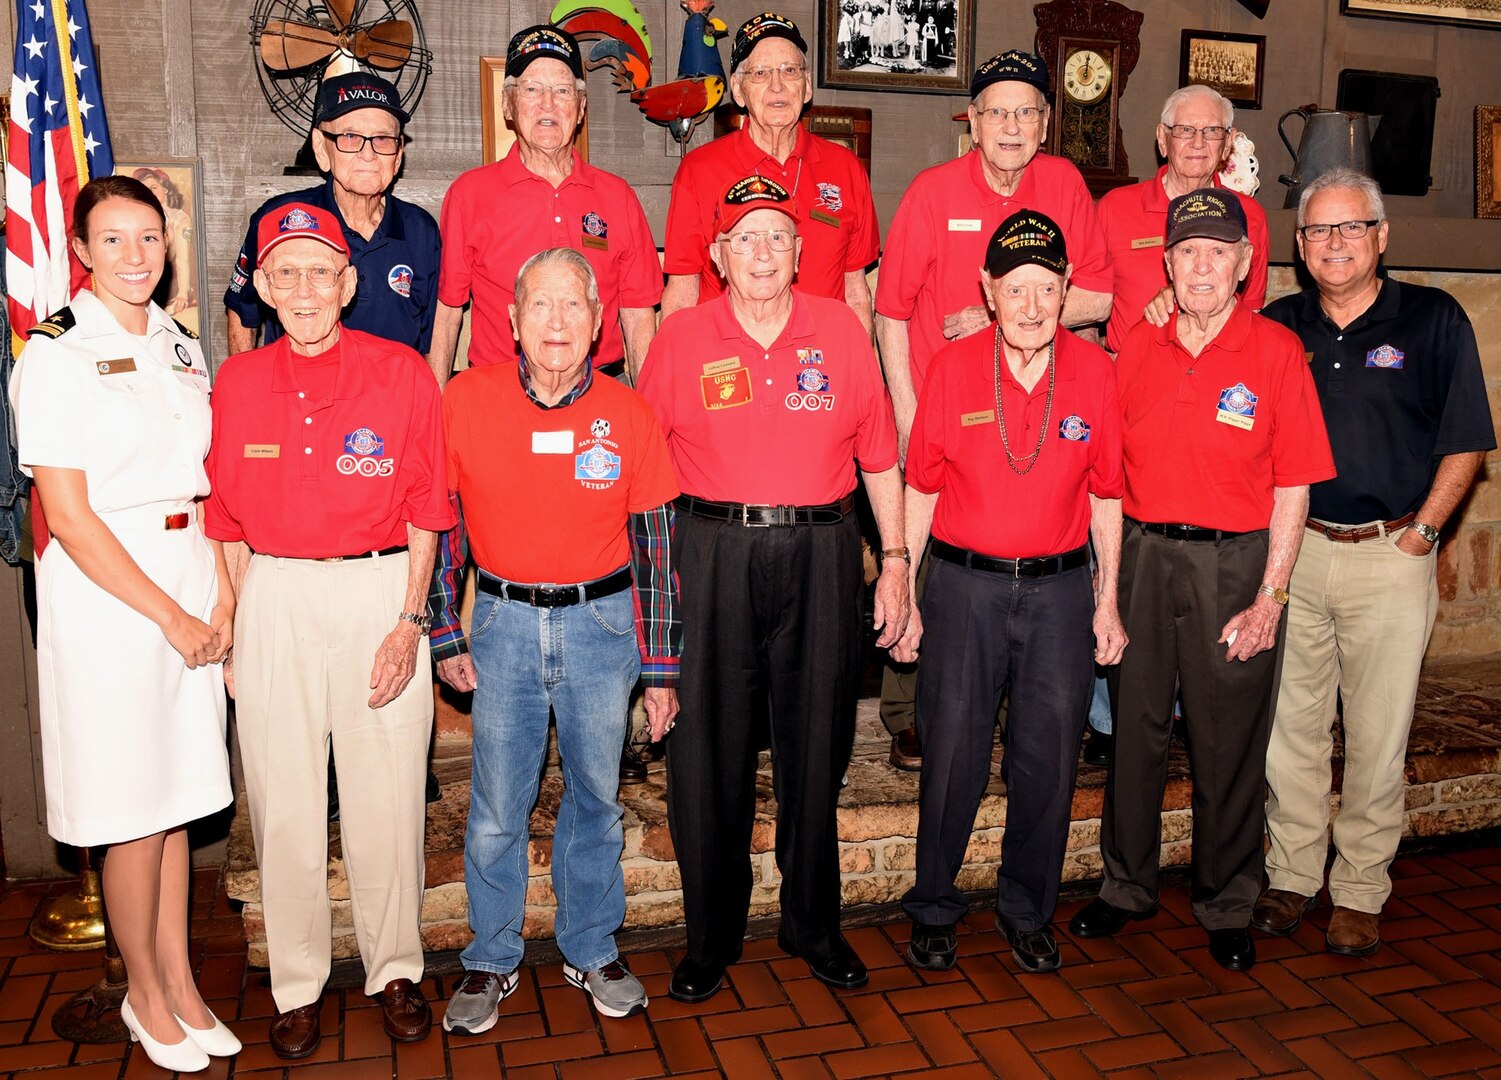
357, 139
1399, 378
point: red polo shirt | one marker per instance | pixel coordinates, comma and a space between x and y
955, 450
778, 426
828, 185
304, 473
937, 242
581, 469
1135, 222
1207, 438
499, 215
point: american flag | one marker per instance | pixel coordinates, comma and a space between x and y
57, 140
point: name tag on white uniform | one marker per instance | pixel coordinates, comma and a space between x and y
964, 224
552, 442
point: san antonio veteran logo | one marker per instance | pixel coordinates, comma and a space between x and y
596, 466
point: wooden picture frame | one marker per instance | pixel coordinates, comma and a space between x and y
1488, 161
183, 292
1475, 13
917, 62
849, 127
496, 136
1232, 64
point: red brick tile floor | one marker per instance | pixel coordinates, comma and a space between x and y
1150, 1003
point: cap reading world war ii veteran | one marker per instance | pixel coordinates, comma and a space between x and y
1026, 237
749, 195
757, 29
340, 94
299, 221
1209, 214
541, 42
1010, 66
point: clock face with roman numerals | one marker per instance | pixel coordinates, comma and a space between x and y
1086, 76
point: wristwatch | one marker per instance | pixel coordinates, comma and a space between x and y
1278, 595
897, 553
421, 622
1427, 532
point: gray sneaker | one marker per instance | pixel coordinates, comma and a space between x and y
616, 992
475, 1005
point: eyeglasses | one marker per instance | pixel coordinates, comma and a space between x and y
790, 73
1027, 114
1350, 230
1188, 132
743, 243
533, 91
352, 142
319, 277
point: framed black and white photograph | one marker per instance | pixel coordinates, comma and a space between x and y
1229, 63
1484, 14
918, 46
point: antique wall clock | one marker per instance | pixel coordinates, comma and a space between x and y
1091, 48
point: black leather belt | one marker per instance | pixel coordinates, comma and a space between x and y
765, 517
1044, 566
555, 595
1188, 532
382, 553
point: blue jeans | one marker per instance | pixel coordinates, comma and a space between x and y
582, 662
1099, 706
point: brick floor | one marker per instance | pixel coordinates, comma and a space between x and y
1148, 1004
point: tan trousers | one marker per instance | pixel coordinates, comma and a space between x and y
305, 639
1358, 621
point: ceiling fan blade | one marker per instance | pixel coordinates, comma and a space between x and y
340, 12
287, 46
385, 45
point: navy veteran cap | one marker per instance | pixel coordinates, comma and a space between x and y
757, 29
748, 195
298, 221
1216, 215
341, 94
1010, 66
541, 42
1026, 237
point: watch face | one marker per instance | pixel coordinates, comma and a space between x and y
1086, 76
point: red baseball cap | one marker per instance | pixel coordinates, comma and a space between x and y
749, 195
297, 221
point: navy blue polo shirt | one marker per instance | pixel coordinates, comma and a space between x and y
1401, 387
397, 296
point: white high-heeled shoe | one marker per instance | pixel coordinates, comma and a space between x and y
217, 1041
185, 1056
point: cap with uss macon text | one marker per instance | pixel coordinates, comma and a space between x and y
749, 195
299, 221
1205, 213
543, 42
1026, 237
757, 29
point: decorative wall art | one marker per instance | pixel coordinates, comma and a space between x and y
1230, 63
178, 184
1488, 161
917, 46
1479, 13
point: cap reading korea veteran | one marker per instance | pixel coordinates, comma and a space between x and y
1026, 237
1010, 66
341, 94
543, 42
297, 221
749, 195
757, 29
1206, 213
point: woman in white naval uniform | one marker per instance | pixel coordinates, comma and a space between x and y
134, 605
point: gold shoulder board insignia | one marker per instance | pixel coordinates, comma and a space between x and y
185, 331
56, 326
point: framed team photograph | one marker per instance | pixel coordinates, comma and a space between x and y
916, 46
1488, 161
1230, 63
1483, 14
177, 183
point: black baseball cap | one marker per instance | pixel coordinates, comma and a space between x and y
1010, 66
342, 94
757, 29
541, 42
746, 196
1026, 237
1213, 214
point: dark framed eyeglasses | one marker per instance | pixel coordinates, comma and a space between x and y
352, 142
1350, 230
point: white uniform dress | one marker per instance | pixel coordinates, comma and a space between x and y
133, 741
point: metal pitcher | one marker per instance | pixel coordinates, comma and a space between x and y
1330, 140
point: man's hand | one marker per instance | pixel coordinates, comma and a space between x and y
891, 608
661, 710
1412, 542
1110, 638
966, 321
1255, 629
222, 619
1160, 307
905, 650
459, 672
395, 664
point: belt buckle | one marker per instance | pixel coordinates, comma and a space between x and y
173, 522
745, 518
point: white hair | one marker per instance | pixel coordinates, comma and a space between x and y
1344, 178
565, 257
1208, 94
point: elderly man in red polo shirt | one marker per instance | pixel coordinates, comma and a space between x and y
770, 80
1222, 437
327, 474
542, 195
769, 399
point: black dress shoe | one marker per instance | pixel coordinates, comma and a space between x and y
932, 947
1034, 951
694, 982
906, 750
1103, 919
632, 766
842, 968
1099, 748
1233, 949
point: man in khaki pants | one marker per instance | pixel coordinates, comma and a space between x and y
1399, 379
327, 465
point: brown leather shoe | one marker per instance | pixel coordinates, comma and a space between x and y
296, 1034
1353, 933
906, 750
1280, 912
407, 1015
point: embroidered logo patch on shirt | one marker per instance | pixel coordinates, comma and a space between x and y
726, 389
596, 232
1074, 429
400, 279
811, 380
361, 449
1385, 357
830, 196
1237, 407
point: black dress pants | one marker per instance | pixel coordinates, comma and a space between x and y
769, 615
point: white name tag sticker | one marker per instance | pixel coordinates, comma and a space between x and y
964, 224
552, 442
